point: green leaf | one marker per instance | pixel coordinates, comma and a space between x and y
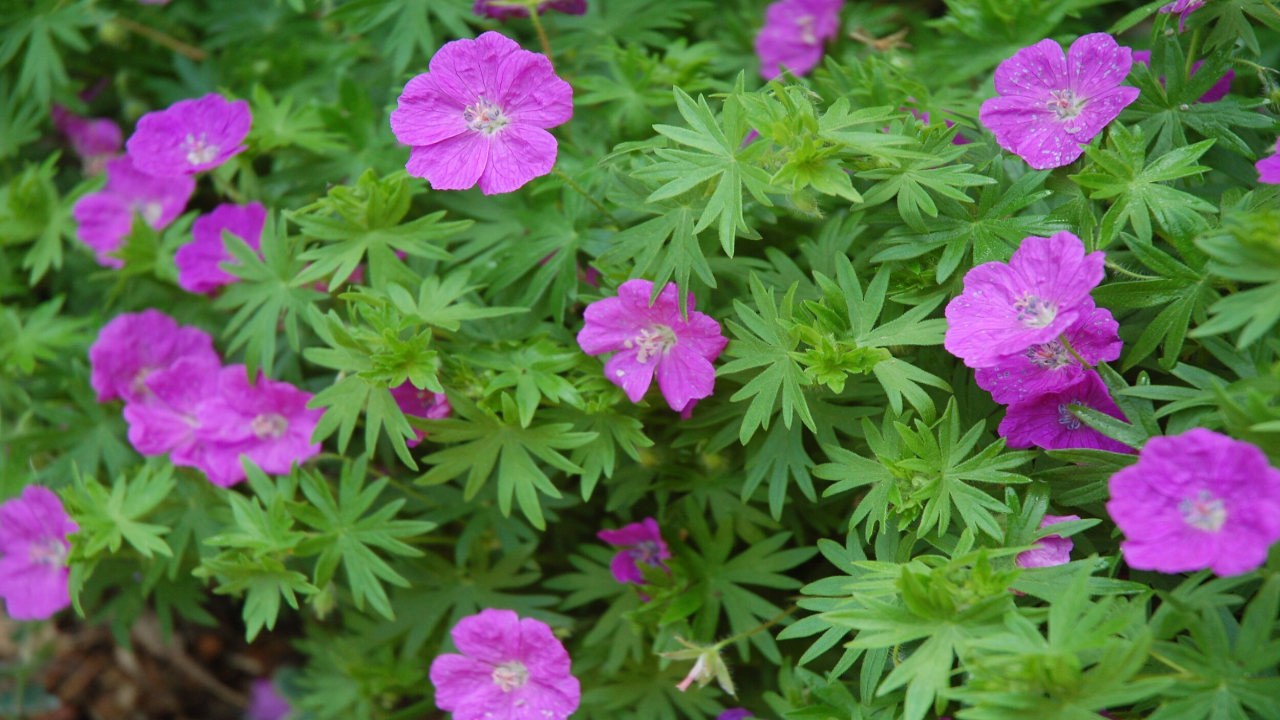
108, 519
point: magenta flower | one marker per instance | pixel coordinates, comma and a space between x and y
134, 345
793, 35
642, 543
480, 116
1046, 420
648, 339
1269, 169
199, 261
1050, 550
1052, 104
735, 714
33, 554
421, 404
1194, 501
165, 420
94, 140
266, 702
267, 422
1183, 8
1214, 94
105, 217
1050, 367
1007, 308
510, 669
190, 136
503, 9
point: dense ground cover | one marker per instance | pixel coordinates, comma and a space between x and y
619, 359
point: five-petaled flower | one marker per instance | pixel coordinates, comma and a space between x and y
1195, 501
199, 261
134, 345
480, 116
511, 668
1052, 104
794, 33
655, 339
1047, 420
190, 136
643, 545
33, 554
105, 217
1007, 308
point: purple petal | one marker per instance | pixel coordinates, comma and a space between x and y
517, 154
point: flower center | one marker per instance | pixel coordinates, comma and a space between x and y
1204, 511
199, 151
510, 676
807, 25
48, 551
1034, 312
647, 552
484, 117
1067, 107
1051, 355
269, 426
139, 383
652, 341
1067, 418
151, 212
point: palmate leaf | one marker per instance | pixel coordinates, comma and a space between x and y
279, 124
915, 181
1239, 250
411, 31
714, 156
780, 457
1120, 171
41, 337
488, 440
764, 341
40, 27
266, 295
615, 431
594, 582
349, 537
109, 518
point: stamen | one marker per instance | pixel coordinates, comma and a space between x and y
510, 676
269, 426
1068, 418
199, 151
1204, 511
652, 341
1034, 312
484, 117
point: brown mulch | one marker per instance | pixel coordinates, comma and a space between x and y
201, 673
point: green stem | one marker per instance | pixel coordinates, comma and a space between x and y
1067, 344
583, 192
1130, 273
542, 34
1273, 7
744, 635
161, 38
1195, 49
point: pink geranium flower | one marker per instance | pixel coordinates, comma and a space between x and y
1219, 90
480, 116
419, 403
33, 554
503, 9
1047, 421
267, 422
199, 261
1052, 104
190, 136
1183, 8
134, 345
105, 217
1050, 550
1050, 367
1195, 501
1269, 169
794, 33
510, 669
643, 545
94, 140
266, 702
654, 339
165, 420
1007, 308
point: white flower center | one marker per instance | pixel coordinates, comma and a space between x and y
269, 426
199, 151
807, 25
48, 551
1067, 107
1204, 511
485, 117
1034, 312
647, 552
151, 212
1051, 355
139, 383
652, 341
1067, 418
510, 676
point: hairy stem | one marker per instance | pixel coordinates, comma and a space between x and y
542, 34
1067, 344
765, 626
583, 192
162, 38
